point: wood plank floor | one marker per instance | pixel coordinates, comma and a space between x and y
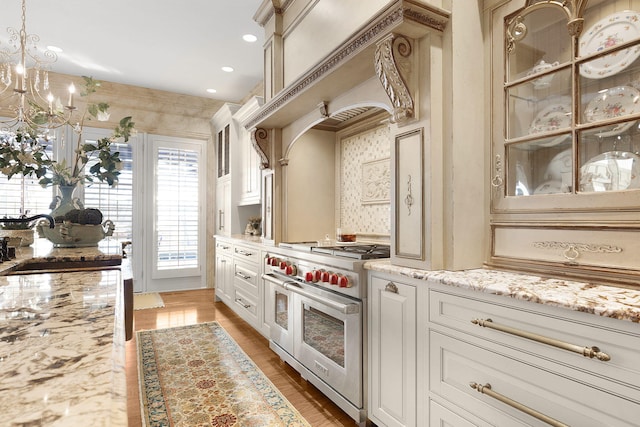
190, 307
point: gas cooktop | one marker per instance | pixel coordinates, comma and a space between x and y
358, 251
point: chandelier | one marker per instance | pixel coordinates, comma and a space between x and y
26, 101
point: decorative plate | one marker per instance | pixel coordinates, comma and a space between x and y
614, 130
549, 187
611, 171
608, 32
553, 117
560, 165
611, 103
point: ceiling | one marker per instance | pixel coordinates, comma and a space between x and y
172, 45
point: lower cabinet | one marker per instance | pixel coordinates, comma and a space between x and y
246, 276
446, 356
392, 351
224, 270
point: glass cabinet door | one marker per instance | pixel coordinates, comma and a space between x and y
571, 105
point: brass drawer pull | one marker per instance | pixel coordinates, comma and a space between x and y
244, 276
486, 389
391, 287
589, 352
242, 303
245, 253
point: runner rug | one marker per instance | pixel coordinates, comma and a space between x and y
197, 375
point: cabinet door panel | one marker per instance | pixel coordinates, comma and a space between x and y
392, 344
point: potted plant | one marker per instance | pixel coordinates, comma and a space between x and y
23, 152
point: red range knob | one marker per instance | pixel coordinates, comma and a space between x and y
333, 280
324, 276
344, 282
273, 261
291, 270
316, 275
283, 265
308, 276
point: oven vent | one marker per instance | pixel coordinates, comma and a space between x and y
348, 117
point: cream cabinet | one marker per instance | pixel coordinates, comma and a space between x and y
565, 161
246, 278
223, 207
502, 362
249, 161
392, 351
223, 270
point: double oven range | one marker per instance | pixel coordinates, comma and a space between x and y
316, 302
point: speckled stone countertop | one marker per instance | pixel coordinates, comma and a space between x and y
62, 337
607, 301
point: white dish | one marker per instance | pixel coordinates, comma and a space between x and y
611, 31
549, 187
615, 129
551, 118
614, 102
559, 166
611, 171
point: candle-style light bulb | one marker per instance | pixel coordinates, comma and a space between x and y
50, 99
72, 90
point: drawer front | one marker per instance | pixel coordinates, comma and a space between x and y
441, 416
246, 253
588, 246
247, 274
246, 303
458, 312
459, 368
224, 247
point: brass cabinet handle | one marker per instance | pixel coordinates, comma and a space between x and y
242, 303
245, 253
589, 352
391, 287
486, 389
244, 276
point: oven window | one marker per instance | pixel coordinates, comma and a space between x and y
282, 310
324, 333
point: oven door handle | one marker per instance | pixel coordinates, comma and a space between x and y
295, 288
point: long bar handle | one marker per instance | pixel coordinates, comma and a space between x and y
486, 389
242, 275
243, 252
293, 287
589, 352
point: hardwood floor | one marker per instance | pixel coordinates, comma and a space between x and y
190, 307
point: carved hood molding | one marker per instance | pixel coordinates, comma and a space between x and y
350, 65
389, 69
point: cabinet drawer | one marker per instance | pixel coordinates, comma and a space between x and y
223, 247
458, 312
246, 303
459, 367
247, 253
247, 274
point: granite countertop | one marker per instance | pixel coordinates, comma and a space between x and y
62, 354
606, 301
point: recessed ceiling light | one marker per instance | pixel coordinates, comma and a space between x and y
55, 49
249, 38
227, 69
211, 90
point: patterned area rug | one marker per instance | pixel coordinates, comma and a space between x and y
149, 300
197, 375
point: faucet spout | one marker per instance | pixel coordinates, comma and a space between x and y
52, 223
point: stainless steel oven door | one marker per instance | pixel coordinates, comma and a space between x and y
278, 313
328, 339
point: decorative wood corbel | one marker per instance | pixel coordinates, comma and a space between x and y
260, 143
393, 67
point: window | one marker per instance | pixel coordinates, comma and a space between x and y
177, 208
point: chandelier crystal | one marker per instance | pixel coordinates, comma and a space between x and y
26, 101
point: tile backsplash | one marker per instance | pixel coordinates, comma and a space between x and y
365, 183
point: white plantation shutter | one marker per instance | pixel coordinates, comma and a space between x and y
115, 203
177, 208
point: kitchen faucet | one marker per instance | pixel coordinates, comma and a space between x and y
52, 223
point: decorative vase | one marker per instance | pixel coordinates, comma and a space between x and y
65, 202
67, 234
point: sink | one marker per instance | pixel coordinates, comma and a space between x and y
35, 267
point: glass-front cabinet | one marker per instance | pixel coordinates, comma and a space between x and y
565, 159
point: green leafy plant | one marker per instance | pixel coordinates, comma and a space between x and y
23, 152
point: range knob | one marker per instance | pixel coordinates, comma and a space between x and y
273, 261
344, 282
324, 276
291, 270
283, 265
333, 279
312, 276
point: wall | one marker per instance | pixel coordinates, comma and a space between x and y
365, 157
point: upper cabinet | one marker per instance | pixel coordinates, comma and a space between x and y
565, 104
249, 173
